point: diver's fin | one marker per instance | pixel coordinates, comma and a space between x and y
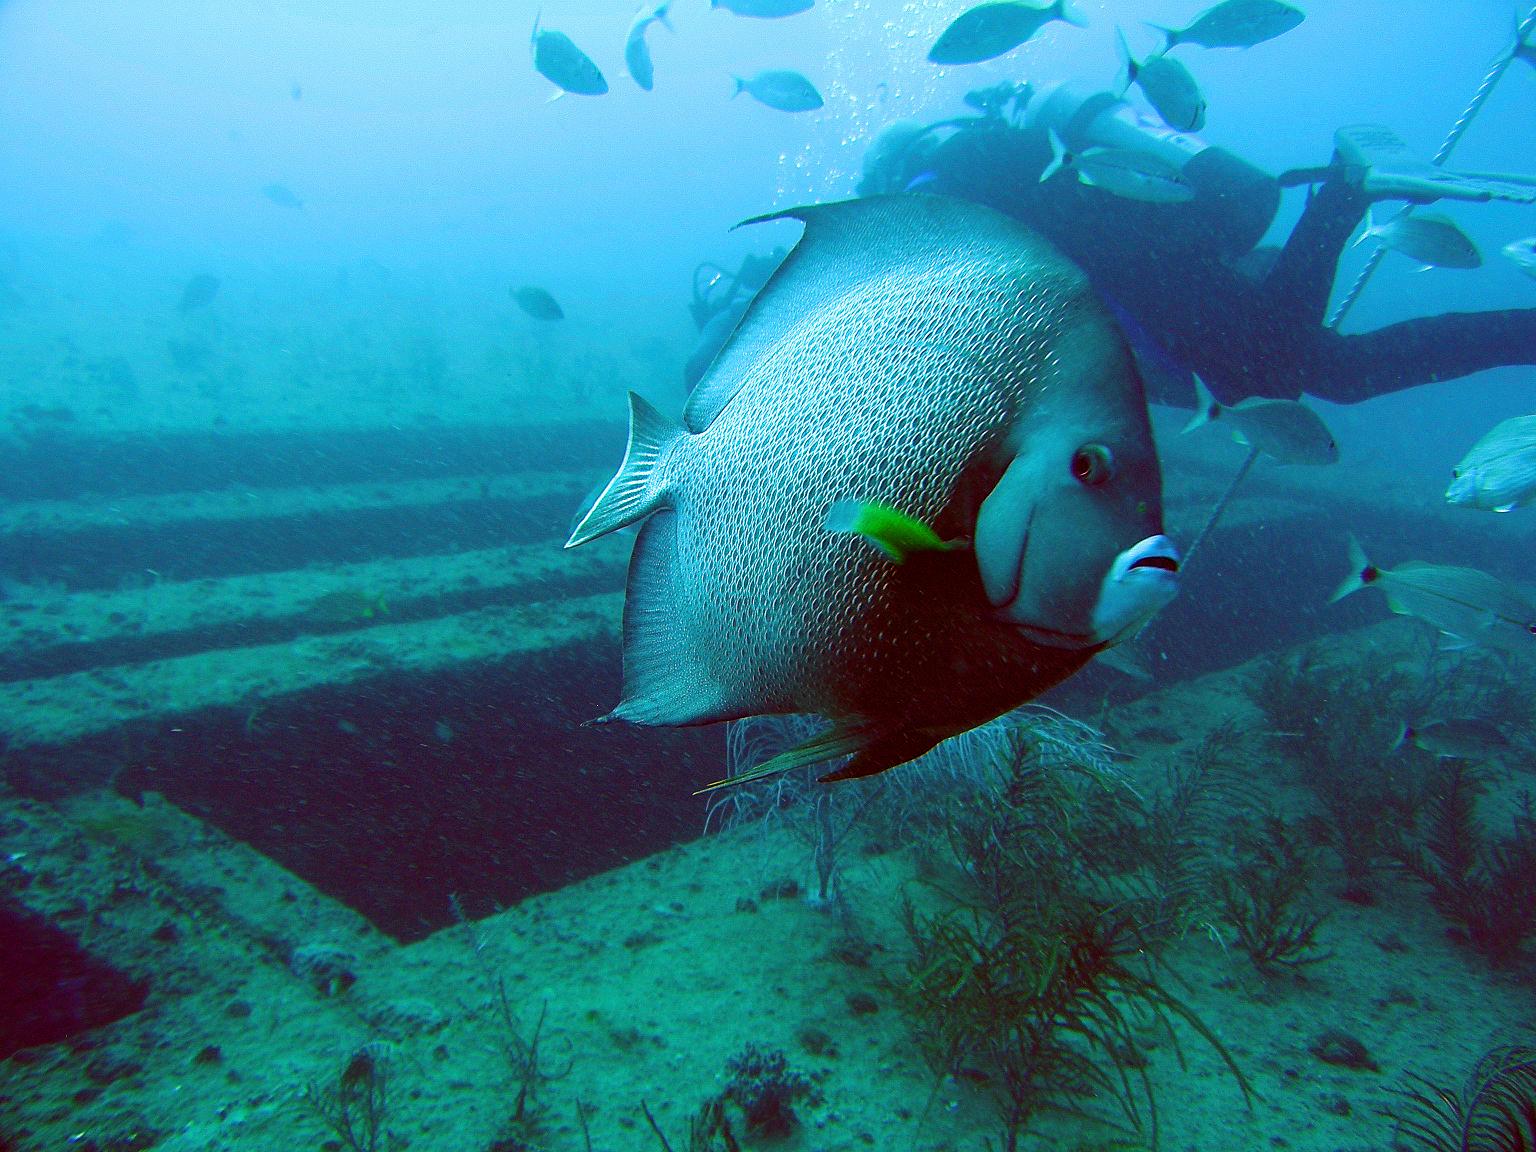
635, 491
1207, 407
665, 683
846, 244
1060, 157
1361, 573
891, 532
839, 740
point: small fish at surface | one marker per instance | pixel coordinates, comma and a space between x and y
989, 30
1428, 237
1460, 739
1235, 24
1498, 474
346, 606
1465, 603
1168, 87
282, 195
538, 303
764, 9
637, 53
1120, 172
199, 292
742, 602
1522, 253
1286, 430
296, 92
782, 89
567, 67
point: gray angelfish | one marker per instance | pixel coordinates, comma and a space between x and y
637, 53
1167, 85
567, 67
1235, 24
782, 89
916, 488
1286, 430
989, 30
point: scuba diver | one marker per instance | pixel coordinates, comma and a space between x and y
1177, 258
720, 297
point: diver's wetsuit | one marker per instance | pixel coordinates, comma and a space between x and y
1179, 272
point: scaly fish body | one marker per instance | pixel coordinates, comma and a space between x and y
780, 89
990, 30
637, 53
1466, 603
1236, 24
1430, 238
1498, 474
1168, 87
1286, 430
558, 60
934, 358
764, 9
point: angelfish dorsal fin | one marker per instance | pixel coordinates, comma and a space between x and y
845, 244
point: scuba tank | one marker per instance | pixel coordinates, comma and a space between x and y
1234, 202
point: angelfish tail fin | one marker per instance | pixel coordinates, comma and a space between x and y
637, 489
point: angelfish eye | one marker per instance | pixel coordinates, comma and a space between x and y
1092, 464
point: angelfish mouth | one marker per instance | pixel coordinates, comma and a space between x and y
1154, 554
1138, 584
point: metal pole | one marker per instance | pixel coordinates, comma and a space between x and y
1219, 508
1474, 106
